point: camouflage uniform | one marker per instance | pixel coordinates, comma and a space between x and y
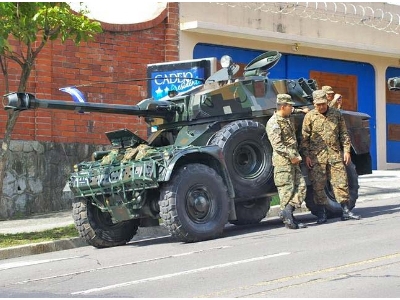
288, 177
325, 139
329, 90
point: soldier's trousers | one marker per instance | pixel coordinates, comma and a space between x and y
336, 173
290, 184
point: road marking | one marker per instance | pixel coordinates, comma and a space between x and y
314, 281
262, 294
31, 263
119, 265
193, 271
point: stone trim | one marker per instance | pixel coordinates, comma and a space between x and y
137, 26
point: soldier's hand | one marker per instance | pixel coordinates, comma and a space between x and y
337, 97
296, 160
347, 158
309, 163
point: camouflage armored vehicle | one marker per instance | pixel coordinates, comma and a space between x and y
208, 163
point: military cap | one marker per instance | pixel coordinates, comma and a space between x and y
319, 96
284, 99
328, 89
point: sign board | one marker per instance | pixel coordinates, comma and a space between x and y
180, 76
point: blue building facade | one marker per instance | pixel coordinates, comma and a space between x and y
293, 66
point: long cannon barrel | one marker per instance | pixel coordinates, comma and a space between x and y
146, 108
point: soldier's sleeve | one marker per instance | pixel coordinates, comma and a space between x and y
306, 133
274, 133
344, 137
299, 110
296, 110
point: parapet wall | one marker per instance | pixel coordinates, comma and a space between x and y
36, 174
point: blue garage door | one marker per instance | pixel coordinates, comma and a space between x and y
297, 66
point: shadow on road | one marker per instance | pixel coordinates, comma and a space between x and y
269, 224
377, 191
373, 211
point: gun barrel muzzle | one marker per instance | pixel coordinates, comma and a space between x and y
17, 101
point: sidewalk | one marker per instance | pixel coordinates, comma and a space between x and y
379, 184
38, 222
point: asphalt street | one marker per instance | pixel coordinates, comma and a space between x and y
378, 185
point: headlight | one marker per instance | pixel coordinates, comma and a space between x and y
226, 61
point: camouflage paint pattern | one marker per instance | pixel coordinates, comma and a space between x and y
325, 139
185, 123
288, 177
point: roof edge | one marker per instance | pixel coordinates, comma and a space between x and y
136, 26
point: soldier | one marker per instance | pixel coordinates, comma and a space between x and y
334, 100
325, 147
286, 159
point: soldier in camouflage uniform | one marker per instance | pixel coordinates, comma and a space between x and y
325, 147
334, 100
286, 159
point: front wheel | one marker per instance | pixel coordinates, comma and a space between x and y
194, 205
97, 228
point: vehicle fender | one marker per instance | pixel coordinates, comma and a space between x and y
359, 132
210, 155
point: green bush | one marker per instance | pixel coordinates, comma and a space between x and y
17, 239
275, 200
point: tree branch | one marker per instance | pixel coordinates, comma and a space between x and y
13, 57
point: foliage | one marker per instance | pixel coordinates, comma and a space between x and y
275, 200
30, 22
10, 240
25, 28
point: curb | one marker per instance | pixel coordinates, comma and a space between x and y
44, 247
65, 244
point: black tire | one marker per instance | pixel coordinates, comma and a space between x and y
97, 228
333, 208
194, 204
248, 156
251, 212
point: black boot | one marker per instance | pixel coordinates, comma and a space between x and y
299, 224
295, 221
321, 214
347, 214
287, 217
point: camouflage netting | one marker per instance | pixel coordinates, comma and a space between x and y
131, 153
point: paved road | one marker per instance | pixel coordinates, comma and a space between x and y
337, 259
379, 185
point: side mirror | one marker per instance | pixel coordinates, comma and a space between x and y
394, 84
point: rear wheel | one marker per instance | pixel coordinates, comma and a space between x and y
97, 228
194, 204
251, 212
333, 208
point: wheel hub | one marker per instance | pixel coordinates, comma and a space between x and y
199, 204
247, 160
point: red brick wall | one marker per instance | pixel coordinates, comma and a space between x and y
121, 52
